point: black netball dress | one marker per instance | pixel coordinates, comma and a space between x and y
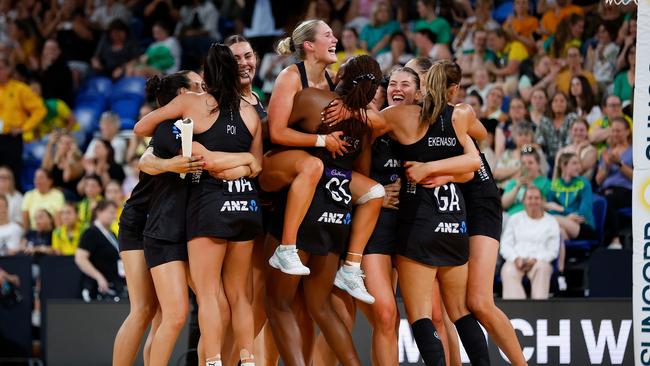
484, 211
225, 209
164, 233
385, 169
432, 226
134, 214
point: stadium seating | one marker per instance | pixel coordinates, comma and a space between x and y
599, 210
127, 96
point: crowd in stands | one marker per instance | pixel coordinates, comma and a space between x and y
552, 81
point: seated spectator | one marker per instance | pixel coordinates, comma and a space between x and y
350, 42
103, 164
475, 101
109, 10
429, 19
109, 128
21, 111
91, 189
600, 130
553, 133
538, 107
113, 193
65, 238
569, 34
375, 36
553, 16
487, 145
627, 32
272, 65
494, 101
573, 68
509, 55
580, 146
570, 200
58, 117
540, 76
520, 25
398, 56
11, 233
115, 51
482, 21
132, 177
161, 57
54, 74
63, 159
528, 172
13, 196
614, 178
474, 59
583, 99
24, 42
38, 240
601, 55
427, 46
481, 83
517, 114
43, 196
137, 145
97, 255
529, 245
624, 81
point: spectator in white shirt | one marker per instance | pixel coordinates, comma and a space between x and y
15, 198
530, 243
109, 127
10, 232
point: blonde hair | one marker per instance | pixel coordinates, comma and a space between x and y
375, 9
441, 75
304, 32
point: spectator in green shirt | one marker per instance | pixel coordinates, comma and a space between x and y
531, 173
429, 20
375, 37
624, 81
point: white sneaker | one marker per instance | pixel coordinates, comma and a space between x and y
351, 281
286, 259
561, 283
615, 246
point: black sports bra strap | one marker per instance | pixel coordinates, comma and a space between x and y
303, 74
329, 80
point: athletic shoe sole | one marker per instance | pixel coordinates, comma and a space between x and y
275, 263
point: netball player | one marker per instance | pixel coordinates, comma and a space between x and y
324, 231
313, 42
142, 296
220, 211
431, 223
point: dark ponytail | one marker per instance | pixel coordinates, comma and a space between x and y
165, 89
221, 75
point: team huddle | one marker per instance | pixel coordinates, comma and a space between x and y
301, 214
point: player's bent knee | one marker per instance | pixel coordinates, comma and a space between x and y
377, 191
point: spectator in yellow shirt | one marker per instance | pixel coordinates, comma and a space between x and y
509, 55
65, 238
43, 196
573, 68
20, 111
600, 130
350, 41
113, 192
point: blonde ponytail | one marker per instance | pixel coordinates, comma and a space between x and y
441, 75
284, 47
304, 32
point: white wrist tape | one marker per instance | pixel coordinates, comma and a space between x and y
377, 191
320, 140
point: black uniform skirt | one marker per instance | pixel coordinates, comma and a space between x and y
432, 227
384, 238
227, 210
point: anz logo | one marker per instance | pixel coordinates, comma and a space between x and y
451, 228
240, 206
393, 163
335, 218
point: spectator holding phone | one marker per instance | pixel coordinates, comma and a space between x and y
530, 174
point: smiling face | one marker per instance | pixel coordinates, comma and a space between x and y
579, 132
576, 87
402, 89
323, 46
349, 40
247, 62
538, 100
495, 99
530, 163
571, 168
559, 104
517, 110
68, 215
533, 202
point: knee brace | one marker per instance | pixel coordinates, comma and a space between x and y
429, 344
377, 191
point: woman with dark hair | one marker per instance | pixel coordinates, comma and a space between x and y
324, 231
420, 65
432, 229
222, 211
569, 34
114, 51
350, 43
517, 114
44, 195
580, 145
97, 255
103, 164
624, 81
583, 99
142, 294
553, 133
